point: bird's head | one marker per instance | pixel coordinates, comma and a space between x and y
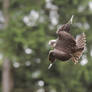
66, 27
51, 58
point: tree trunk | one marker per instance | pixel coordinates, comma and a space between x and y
7, 78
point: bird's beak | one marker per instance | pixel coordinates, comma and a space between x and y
71, 20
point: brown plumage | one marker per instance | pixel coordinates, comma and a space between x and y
65, 46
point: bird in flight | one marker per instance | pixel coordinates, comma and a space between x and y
66, 47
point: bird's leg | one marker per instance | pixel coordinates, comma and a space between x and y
74, 60
76, 54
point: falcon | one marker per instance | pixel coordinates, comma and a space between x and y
66, 47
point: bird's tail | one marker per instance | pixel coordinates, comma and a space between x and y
81, 43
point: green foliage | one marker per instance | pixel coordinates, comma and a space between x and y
62, 77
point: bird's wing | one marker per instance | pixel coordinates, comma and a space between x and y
80, 43
65, 42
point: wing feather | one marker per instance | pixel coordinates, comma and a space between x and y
80, 43
65, 42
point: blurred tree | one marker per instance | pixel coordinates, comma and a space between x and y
7, 78
32, 24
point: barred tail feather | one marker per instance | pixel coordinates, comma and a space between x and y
81, 43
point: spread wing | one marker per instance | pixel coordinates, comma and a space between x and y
65, 42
